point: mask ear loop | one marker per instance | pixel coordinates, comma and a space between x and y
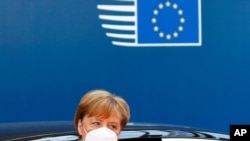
85, 133
84, 130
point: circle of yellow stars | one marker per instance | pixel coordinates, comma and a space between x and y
156, 28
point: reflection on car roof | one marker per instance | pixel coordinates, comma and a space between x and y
59, 138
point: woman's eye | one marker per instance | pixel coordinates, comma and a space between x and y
113, 126
96, 123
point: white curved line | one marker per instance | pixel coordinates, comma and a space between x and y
121, 36
127, 44
117, 18
119, 27
125, 8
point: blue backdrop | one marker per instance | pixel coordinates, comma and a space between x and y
53, 51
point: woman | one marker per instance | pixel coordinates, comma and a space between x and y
101, 116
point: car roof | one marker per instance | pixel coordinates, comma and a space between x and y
64, 130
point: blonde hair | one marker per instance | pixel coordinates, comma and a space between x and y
102, 103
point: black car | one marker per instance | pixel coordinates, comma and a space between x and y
65, 131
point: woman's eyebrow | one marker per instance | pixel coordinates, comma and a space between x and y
114, 122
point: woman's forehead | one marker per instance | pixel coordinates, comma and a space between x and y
104, 111
103, 114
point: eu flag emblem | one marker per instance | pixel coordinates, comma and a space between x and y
157, 23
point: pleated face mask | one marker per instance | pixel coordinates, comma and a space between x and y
101, 134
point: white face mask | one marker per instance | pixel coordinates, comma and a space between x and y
101, 134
